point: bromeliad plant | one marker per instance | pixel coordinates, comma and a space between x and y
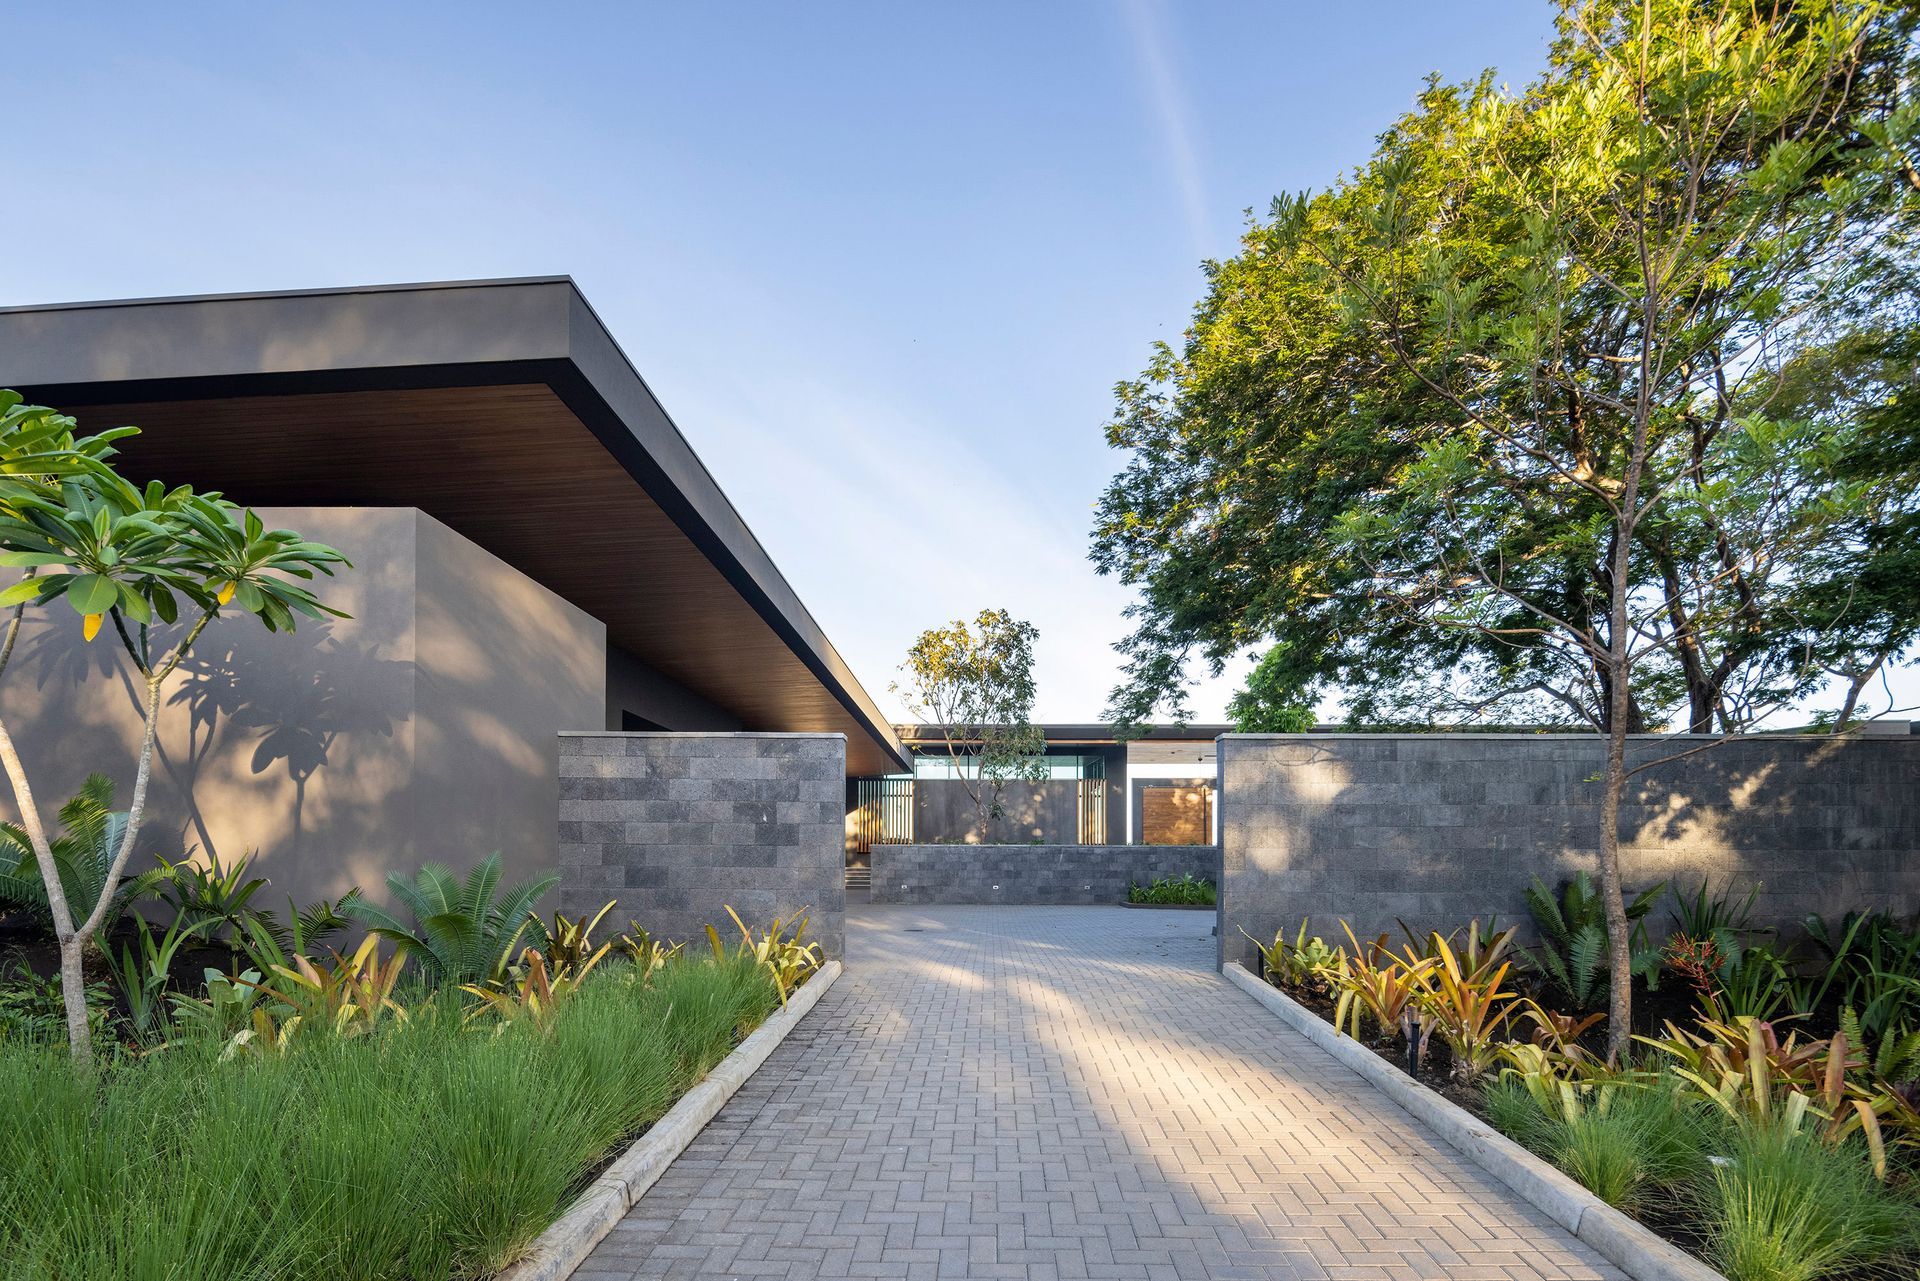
1302, 962
350, 996
159, 565
647, 954
1383, 985
531, 994
1466, 1001
783, 956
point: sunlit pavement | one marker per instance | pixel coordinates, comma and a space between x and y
1066, 1092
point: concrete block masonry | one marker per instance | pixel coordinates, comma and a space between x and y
678, 826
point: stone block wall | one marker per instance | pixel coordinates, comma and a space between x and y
1436, 829
678, 826
1030, 874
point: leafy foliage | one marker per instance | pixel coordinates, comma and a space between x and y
788, 960
973, 684
1873, 966
1185, 890
83, 853
220, 895
1302, 961
1271, 702
1572, 956
462, 932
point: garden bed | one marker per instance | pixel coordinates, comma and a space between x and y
425, 1148
1737, 1133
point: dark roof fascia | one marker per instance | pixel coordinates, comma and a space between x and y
925, 736
449, 334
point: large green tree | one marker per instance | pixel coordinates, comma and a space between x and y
159, 566
1504, 424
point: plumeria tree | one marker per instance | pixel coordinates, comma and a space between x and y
158, 566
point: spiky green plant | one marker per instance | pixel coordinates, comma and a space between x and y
1572, 956
462, 932
91, 834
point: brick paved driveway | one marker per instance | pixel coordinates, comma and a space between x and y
1065, 1092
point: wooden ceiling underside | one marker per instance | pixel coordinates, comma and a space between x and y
513, 469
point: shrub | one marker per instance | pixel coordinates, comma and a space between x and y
462, 933
1572, 956
91, 832
1187, 890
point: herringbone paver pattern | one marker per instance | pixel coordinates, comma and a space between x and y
1039, 1093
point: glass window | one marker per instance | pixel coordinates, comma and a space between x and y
937, 764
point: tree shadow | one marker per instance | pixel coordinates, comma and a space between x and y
295, 706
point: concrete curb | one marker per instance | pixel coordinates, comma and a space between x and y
1173, 907
1636, 1250
563, 1247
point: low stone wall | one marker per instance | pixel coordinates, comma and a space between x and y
1437, 829
1030, 874
679, 826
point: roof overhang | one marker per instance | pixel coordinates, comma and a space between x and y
502, 408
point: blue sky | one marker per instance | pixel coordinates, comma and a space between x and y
883, 262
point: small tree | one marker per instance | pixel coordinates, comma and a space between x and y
1597, 284
160, 565
975, 685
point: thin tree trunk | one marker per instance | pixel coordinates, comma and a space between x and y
72, 983
1613, 897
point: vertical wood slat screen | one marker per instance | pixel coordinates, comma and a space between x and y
883, 812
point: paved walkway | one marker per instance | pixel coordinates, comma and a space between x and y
1040, 1093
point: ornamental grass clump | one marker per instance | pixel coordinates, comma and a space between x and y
419, 1148
1786, 1207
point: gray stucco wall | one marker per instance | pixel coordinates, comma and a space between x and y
1437, 829
1030, 874
420, 728
633, 687
677, 827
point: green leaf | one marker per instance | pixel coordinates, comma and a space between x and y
23, 592
93, 594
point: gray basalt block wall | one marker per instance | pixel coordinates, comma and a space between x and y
1437, 829
1030, 874
679, 826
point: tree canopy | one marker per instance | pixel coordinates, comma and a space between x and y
1398, 436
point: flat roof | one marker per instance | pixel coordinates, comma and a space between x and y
503, 408
1064, 734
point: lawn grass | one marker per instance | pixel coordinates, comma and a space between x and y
429, 1150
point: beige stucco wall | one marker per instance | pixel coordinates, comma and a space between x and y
421, 728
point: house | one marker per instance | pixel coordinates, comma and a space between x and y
536, 549
1158, 788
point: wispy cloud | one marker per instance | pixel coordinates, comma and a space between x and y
1172, 115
